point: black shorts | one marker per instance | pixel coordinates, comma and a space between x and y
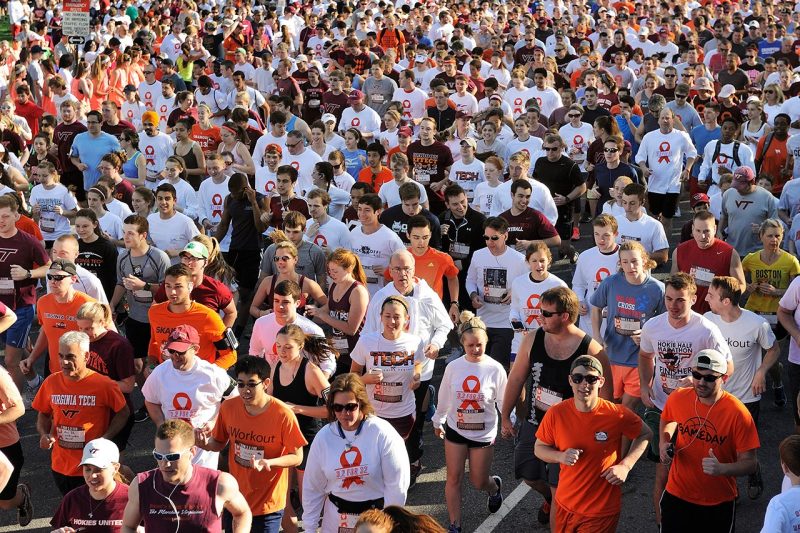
499, 347
679, 516
663, 204
306, 450
138, 333
755, 410
564, 222
17, 459
526, 465
67, 483
403, 425
73, 180
121, 438
451, 435
246, 264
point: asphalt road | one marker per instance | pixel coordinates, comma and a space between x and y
518, 512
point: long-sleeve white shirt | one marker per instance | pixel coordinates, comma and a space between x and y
370, 465
469, 396
491, 276
428, 318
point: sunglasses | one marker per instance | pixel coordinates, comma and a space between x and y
770, 91
669, 75
58, 277
708, 379
171, 457
281, 258
574, 115
681, 95
577, 379
348, 407
176, 352
611, 150
249, 386
491, 238
551, 148
550, 314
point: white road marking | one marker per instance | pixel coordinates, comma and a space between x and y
510, 501
37, 522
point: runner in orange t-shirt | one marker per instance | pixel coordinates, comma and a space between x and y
430, 264
584, 435
715, 442
76, 406
263, 432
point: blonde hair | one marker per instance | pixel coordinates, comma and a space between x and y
468, 322
635, 246
96, 312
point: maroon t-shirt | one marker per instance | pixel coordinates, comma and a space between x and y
106, 515
117, 129
63, 135
123, 191
429, 161
212, 293
112, 356
24, 250
334, 104
277, 207
530, 225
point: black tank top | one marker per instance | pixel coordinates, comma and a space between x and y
549, 377
340, 310
270, 295
190, 160
297, 393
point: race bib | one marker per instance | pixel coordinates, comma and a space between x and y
244, 453
340, 343
48, 223
626, 326
470, 419
314, 102
372, 279
702, 276
495, 281
459, 250
388, 392
72, 438
377, 98
347, 523
6, 286
544, 398
771, 318
670, 384
423, 178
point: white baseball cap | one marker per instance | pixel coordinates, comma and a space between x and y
101, 453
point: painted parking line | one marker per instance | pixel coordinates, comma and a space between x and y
511, 501
36, 523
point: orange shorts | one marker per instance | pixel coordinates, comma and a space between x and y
567, 522
626, 380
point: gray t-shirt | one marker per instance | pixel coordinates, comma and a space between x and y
149, 267
311, 262
687, 115
379, 93
743, 211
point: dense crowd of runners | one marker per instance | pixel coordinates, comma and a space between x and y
274, 219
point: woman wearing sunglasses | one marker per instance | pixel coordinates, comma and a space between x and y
466, 418
101, 500
392, 362
357, 462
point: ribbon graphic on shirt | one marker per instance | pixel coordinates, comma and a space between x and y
664, 149
471, 386
320, 240
355, 453
533, 303
183, 407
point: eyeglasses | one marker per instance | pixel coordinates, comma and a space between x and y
281, 258
176, 352
58, 277
402, 269
550, 314
491, 237
577, 379
248, 386
611, 150
92, 122
749, 57
551, 148
293, 145
348, 407
171, 457
707, 378
190, 258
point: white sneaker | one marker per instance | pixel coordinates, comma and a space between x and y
30, 394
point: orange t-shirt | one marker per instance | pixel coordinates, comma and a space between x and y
207, 323
729, 430
29, 226
81, 411
384, 176
56, 319
432, 266
581, 490
207, 139
273, 433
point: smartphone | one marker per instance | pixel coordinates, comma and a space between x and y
516, 324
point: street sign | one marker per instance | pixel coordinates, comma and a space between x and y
77, 39
75, 20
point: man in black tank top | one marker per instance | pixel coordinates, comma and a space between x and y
546, 356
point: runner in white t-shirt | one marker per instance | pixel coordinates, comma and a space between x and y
373, 242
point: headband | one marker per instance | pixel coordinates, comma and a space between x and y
99, 192
396, 299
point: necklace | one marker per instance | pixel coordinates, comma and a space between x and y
94, 508
349, 443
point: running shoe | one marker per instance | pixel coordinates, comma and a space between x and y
25, 509
454, 529
576, 234
779, 396
416, 468
586, 218
30, 393
755, 484
141, 415
573, 258
496, 500
544, 513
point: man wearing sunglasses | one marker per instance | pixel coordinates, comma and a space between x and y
186, 387
178, 489
669, 343
708, 438
592, 448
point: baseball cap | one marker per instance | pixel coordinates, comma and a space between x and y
404, 131
470, 142
703, 83
588, 362
746, 173
328, 117
754, 25
663, 31
64, 265
36, 49
302, 58
182, 337
129, 89
700, 198
727, 91
101, 453
272, 147
421, 58
644, 31
710, 359
196, 249
355, 95
462, 114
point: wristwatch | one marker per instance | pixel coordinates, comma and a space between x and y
28, 274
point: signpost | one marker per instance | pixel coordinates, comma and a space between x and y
75, 22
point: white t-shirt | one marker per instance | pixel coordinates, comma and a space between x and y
210, 204
491, 276
783, 510
304, 164
164, 106
265, 329
375, 250
111, 224
193, 395
647, 231
149, 93
516, 98
156, 150
525, 300
592, 268
549, 100
747, 337
52, 224
469, 396
577, 141
186, 197
791, 302
664, 154
468, 176
466, 103
541, 199
413, 102
674, 350
484, 197
331, 235
532, 147
390, 193
172, 233
366, 120
392, 397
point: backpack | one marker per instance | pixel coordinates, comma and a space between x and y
716, 155
760, 159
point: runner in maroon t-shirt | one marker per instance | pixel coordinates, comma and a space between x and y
63, 136
526, 224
